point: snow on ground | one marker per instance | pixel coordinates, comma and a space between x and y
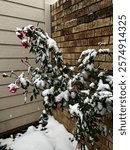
55, 137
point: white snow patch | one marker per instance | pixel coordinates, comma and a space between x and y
103, 50
92, 85
55, 137
102, 86
52, 44
48, 91
64, 94
101, 74
74, 109
90, 66
87, 100
86, 91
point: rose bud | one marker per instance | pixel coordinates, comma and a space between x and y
5, 75
26, 58
25, 43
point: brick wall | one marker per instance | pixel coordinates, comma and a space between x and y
80, 24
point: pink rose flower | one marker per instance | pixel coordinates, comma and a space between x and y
19, 34
13, 88
28, 30
25, 43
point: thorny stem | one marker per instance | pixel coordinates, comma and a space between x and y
27, 63
37, 24
12, 73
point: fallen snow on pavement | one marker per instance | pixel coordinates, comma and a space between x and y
55, 137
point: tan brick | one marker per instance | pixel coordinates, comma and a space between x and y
89, 33
83, 42
94, 41
71, 55
75, 1
56, 34
73, 49
104, 31
110, 145
78, 28
81, 5
62, 38
58, 39
111, 40
100, 58
89, 3
94, 7
71, 62
53, 24
109, 58
71, 23
106, 3
110, 138
100, 23
101, 146
75, 7
100, 5
105, 65
111, 20
84, 34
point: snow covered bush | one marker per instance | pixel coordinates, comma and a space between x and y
58, 83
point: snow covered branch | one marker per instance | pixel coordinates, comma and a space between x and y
87, 101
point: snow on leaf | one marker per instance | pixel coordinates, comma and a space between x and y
86, 91
92, 85
102, 86
62, 95
87, 100
109, 79
85, 74
101, 74
74, 109
73, 95
100, 107
46, 98
87, 52
39, 82
104, 94
90, 67
103, 50
72, 68
52, 44
48, 91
